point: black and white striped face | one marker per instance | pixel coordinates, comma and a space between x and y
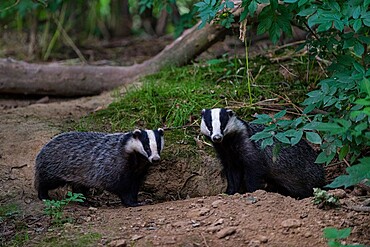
217, 123
148, 143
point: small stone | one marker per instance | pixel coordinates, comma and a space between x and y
218, 222
136, 237
93, 209
339, 193
263, 239
226, 232
118, 243
213, 229
291, 223
307, 234
216, 203
254, 243
198, 212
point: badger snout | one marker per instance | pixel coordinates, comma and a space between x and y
154, 159
217, 138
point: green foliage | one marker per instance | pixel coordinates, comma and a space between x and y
72, 239
334, 236
340, 34
8, 211
55, 208
324, 198
211, 9
356, 174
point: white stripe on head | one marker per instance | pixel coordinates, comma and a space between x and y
216, 122
153, 146
134, 145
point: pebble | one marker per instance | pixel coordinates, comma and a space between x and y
213, 229
136, 237
291, 223
218, 222
339, 193
93, 209
198, 212
307, 234
254, 243
263, 239
118, 243
216, 203
226, 232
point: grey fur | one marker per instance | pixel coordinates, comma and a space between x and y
249, 168
116, 162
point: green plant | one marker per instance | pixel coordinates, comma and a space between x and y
324, 199
337, 114
334, 236
55, 208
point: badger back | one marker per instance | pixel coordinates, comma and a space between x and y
148, 143
219, 122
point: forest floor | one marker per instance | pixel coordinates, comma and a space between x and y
253, 219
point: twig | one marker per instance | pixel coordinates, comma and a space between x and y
9, 7
70, 41
187, 180
204, 240
358, 208
18, 167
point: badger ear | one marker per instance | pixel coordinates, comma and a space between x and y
136, 133
230, 113
161, 131
202, 112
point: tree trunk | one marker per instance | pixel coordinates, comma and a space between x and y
55, 79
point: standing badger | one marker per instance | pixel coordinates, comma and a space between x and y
115, 162
248, 167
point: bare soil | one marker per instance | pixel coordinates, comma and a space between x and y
253, 219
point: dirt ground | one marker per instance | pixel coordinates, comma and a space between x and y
256, 219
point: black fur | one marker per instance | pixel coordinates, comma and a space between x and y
248, 168
95, 160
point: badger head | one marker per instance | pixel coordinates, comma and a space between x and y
148, 143
219, 122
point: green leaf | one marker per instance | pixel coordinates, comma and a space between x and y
290, 1
267, 142
296, 138
365, 102
261, 135
334, 233
357, 25
313, 137
356, 174
324, 158
359, 49
262, 119
308, 11
280, 114
356, 13
343, 152
282, 138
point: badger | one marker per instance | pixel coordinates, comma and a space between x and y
248, 167
116, 162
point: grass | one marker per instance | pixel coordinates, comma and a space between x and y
72, 240
10, 221
174, 97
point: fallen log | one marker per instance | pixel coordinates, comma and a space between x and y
18, 77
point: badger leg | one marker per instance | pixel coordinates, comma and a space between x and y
234, 180
79, 188
45, 186
253, 181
